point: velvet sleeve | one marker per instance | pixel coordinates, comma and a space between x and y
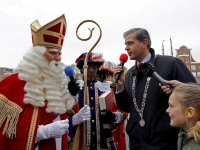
122, 101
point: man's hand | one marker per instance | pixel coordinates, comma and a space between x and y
172, 83
120, 83
73, 87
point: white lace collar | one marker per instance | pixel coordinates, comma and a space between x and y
103, 87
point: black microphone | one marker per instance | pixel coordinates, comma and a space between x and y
150, 70
123, 58
71, 78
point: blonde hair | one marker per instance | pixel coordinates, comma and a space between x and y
189, 96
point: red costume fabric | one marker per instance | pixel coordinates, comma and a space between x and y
19, 122
119, 137
119, 132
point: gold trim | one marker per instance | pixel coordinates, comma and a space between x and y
10, 112
42, 27
88, 124
108, 142
38, 32
32, 128
10, 103
97, 118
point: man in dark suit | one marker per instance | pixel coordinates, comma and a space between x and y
149, 124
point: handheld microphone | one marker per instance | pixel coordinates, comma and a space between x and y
150, 70
69, 71
123, 58
73, 87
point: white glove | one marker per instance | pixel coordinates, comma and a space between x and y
83, 114
120, 117
53, 130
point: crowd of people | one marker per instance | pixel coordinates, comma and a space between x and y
40, 109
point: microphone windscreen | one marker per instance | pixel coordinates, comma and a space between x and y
69, 71
123, 57
145, 65
147, 69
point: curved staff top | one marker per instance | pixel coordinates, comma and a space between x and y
86, 143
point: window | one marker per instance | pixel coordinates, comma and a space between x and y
186, 60
198, 74
194, 74
193, 67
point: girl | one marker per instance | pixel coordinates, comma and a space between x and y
184, 113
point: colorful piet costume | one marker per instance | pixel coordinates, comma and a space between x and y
33, 96
98, 138
104, 73
118, 130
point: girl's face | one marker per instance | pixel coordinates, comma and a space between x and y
178, 117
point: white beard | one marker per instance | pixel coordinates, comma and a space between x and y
56, 66
44, 81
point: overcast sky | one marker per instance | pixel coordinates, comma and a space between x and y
162, 18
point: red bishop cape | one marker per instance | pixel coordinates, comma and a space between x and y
19, 122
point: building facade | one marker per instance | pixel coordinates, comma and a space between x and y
184, 53
4, 72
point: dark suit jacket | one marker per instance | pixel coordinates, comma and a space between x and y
157, 134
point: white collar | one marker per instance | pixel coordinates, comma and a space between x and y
101, 86
146, 59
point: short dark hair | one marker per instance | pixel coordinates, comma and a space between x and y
140, 34
102, 74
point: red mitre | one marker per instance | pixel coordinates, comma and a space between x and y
50, 35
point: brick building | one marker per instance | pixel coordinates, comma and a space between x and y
184, 53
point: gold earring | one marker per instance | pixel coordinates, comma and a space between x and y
189, 113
